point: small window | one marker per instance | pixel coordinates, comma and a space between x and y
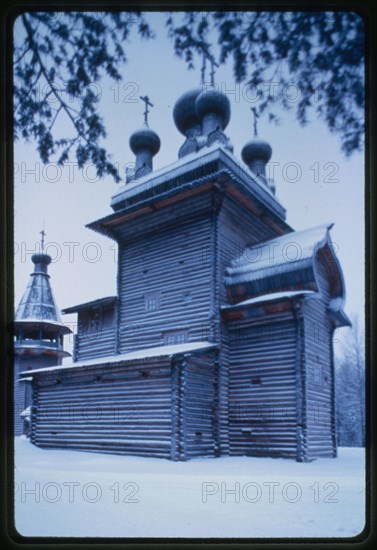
176, 337
318, 375
152, 301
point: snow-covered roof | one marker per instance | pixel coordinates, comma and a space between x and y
190, 170
287, 266
188, 163
278, 255
285, 263
273, 297
38, 304
160, 351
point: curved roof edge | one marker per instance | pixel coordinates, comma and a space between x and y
281, 260
334, 271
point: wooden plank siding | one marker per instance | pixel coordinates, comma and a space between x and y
122, 409
321, 437
171, 263
157, 407
22, 389
237, 229
200, 387
95, 340
262, 387
223, 392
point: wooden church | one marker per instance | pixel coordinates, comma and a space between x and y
219, 339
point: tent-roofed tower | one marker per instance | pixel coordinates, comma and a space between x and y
38, 333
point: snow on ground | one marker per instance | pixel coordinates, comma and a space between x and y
77, 494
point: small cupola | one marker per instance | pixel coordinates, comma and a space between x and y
145, 144
256, 153
41, 261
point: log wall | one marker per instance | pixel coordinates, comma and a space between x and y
158, 407
262, 387
169, 265
22, 390
237, 229
321, 435
119, 409
199, 400
95, 339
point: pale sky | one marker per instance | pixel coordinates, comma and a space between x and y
314, 181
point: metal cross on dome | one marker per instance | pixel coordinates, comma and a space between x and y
43, 238
255, 116
146, 111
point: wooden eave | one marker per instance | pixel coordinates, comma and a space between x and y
108, 225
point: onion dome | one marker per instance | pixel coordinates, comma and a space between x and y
144, 143
256, 150
184, 112
145, 139
212, 102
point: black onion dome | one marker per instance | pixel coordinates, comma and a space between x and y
41, 259
184, 112
145, 138
210, 101
256, 149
